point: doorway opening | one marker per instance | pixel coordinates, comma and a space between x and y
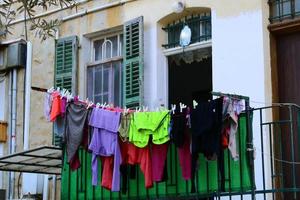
190, 80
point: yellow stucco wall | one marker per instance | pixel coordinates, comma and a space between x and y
153, 11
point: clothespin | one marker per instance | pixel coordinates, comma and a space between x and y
124, 111
69, 96
98, 105
90, 104
145, 109
62, 94
67, 93
58, 89
137, 109
173, 107
182, 106
50, 90
162, 107
157, 109
195, 104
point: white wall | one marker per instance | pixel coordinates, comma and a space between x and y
238, 68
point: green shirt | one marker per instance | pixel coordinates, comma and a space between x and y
144, 124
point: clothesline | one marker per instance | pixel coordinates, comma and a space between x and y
273, 157
232, 97
182, 106
140, 134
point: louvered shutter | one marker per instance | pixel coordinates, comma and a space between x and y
65, 63
133, 70
65, 68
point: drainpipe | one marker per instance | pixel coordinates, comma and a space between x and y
9, 127
27, 177
45, 189
54, 187
54, 176
13, 115
27, 96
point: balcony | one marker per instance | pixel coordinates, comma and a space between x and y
267, 169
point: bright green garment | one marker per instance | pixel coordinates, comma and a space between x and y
144, 124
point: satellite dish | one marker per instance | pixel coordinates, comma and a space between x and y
185, 36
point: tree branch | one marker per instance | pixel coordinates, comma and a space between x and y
42, 28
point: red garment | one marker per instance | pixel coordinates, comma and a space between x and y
56, 107
74, 162
225, 136
159, 156
133, 155
185, 158
107, 171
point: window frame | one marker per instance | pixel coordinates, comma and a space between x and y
93, 63
105, 36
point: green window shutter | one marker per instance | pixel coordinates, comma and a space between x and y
65, 68
65, 63
133, 70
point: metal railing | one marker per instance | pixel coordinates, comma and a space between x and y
271, 174
200, 26
278, 154
283, 9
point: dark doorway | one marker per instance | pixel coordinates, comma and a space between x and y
288, 67
188, 82
288, 50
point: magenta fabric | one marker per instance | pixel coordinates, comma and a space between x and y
185, 157
63, 105
159, 155
105, 143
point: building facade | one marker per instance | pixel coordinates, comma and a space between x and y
101, 43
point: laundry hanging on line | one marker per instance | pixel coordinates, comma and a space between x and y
127, 137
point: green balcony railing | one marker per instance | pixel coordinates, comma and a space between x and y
273, 174
200, 26
283, 9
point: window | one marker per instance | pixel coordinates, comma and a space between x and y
283, 9
104, 73
114, 76
199, 24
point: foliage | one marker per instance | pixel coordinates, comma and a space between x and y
43, 28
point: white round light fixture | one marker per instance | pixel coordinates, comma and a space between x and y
185, 36
178, 6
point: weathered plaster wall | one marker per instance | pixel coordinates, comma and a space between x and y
228, 12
